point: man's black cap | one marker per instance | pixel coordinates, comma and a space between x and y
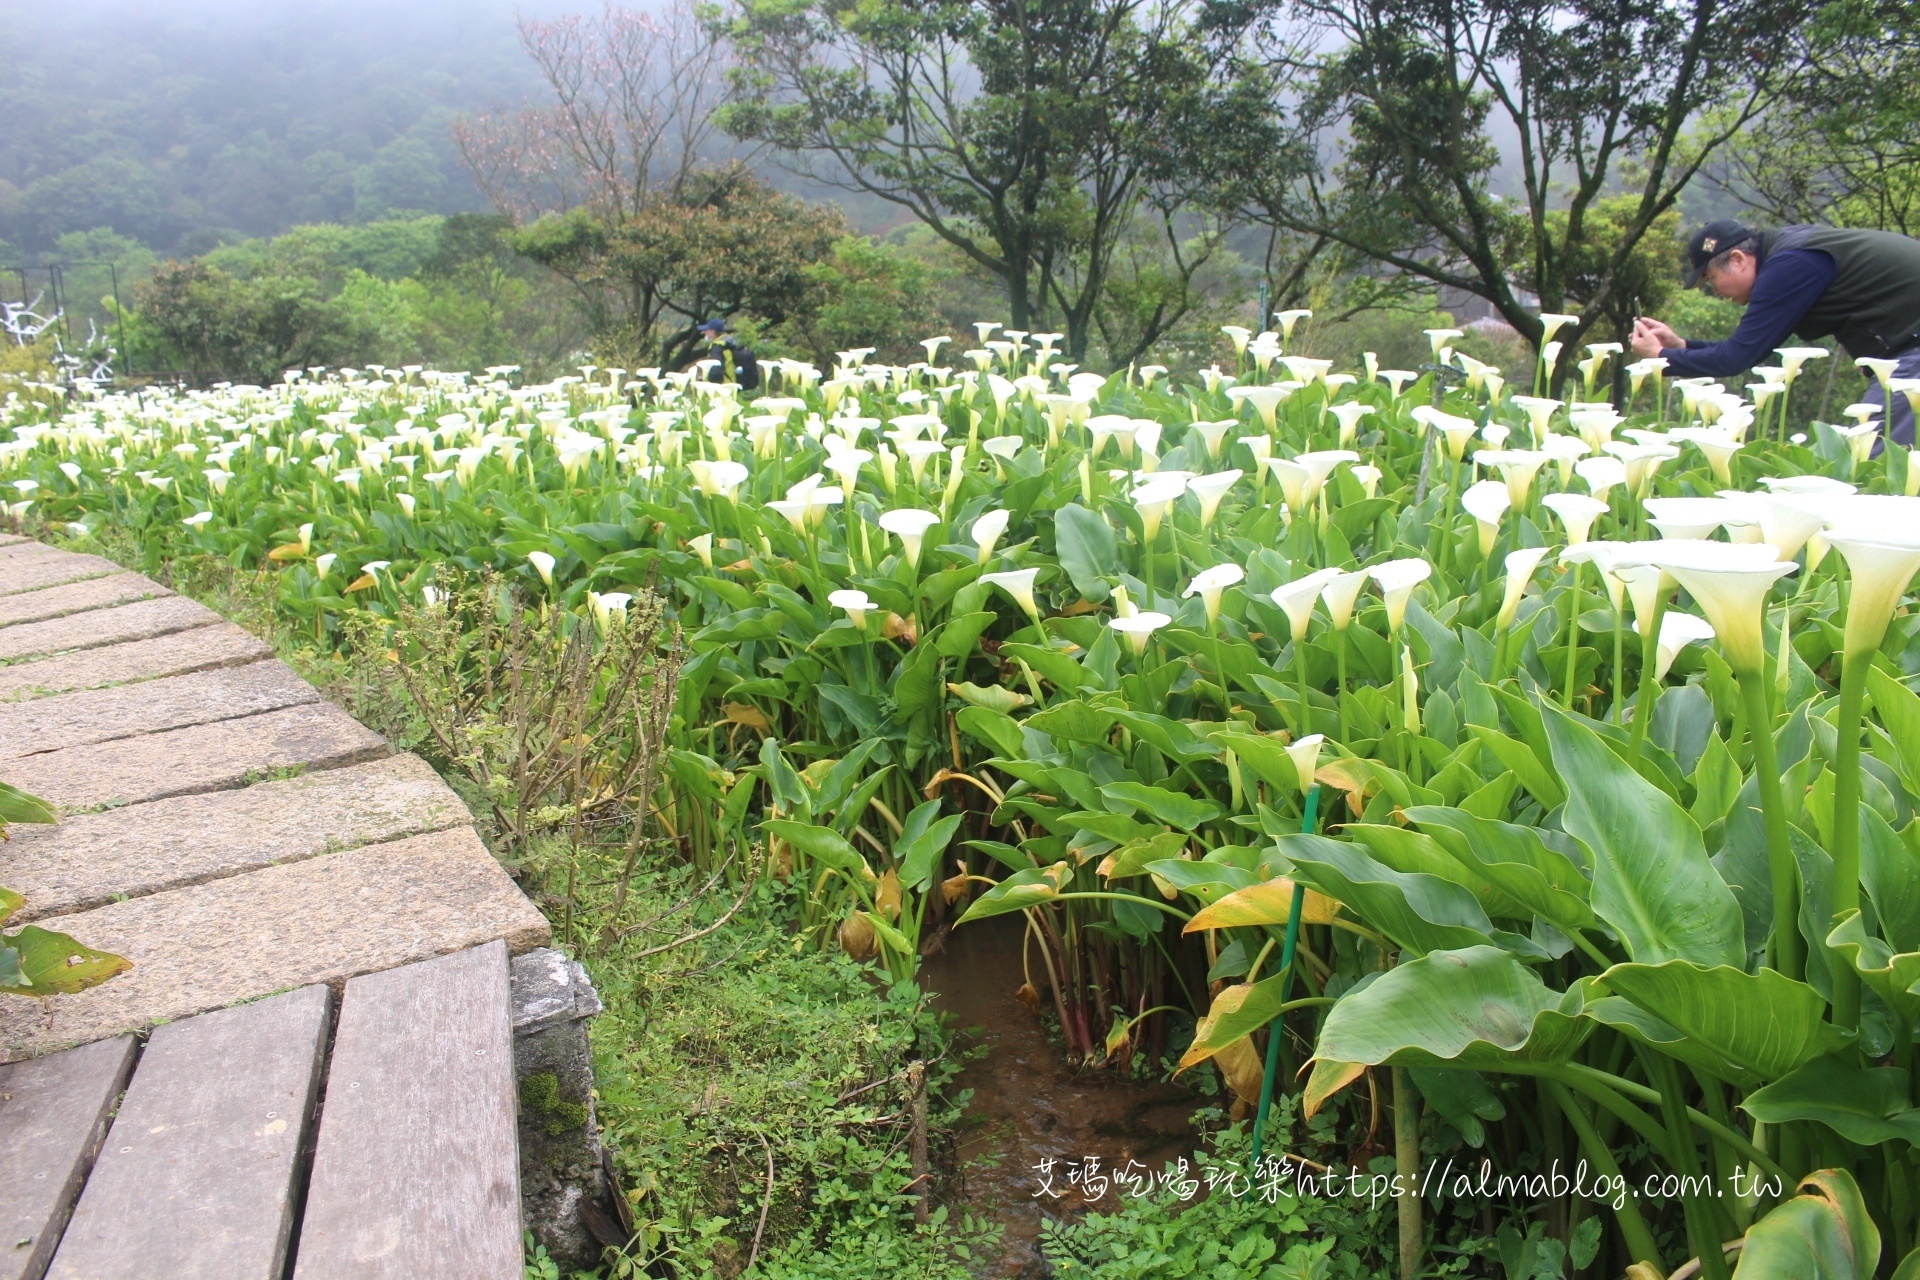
1712, 240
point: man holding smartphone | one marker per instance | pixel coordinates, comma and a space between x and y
1861, 287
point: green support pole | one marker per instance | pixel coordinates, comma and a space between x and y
1307, 820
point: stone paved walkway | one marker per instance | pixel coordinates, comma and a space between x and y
223, 827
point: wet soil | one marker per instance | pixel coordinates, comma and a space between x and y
1029, 1106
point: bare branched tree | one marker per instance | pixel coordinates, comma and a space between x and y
629, 120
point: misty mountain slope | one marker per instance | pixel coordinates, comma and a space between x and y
186, 123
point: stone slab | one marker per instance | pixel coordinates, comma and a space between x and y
151, 706
416, 1173
53, 1112
203, 648
320, 920
93, 858
142, 620
33, 567
562, 1178
8, 539
198, 1179
78, 597
207, 757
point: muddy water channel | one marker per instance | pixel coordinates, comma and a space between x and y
1029, 1106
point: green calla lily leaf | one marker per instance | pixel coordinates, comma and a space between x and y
1764, 1022
1651, 879
1477, 1007
1867, 1105
1174, 808
1022, 889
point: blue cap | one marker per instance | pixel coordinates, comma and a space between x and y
715, 325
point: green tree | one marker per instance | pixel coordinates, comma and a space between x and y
865, 294
210, 324
1028, 134
1598, 97
476, 302
1610, 283
726, 244
1842, 144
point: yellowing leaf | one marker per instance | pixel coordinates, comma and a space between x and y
991, 697
291, 551
54, 964
1351, 776
1242, 1069
362, 582
1235, 1013
745, 713
886, 896
1328, 1078
1259, 904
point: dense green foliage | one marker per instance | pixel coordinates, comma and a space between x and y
696, 1067
451, 290
1220, 1221
1583, 894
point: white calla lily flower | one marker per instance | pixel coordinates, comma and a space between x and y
1211, 584
910, 526
1730, 583
1210, 490
1138, 628
1305, 754
1017, 583
1677, 631
1577, 513
1520, 566
986, 532
1397, 579
856, 604
1341, 593
1296, 599
1488, 502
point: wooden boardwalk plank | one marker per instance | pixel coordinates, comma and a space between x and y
52, 1113
32, 567
416, 1175
197, 1181
206, 757
91, 859
94, 593
201, 649
141, 620
318, 920
153, 706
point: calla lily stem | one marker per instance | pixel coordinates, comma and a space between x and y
1649, 682
1340, 683
1573, 630
1619, 674
1633, 1225
1845, 890
1785, 950
1300, 669
1308, 820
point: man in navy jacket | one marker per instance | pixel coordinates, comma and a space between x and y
1862, 287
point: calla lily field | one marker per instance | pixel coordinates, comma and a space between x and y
1547, 758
